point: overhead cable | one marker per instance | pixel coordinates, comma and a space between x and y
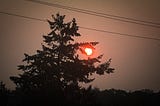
92, 29
109, 16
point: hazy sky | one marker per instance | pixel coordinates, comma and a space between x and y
136, 60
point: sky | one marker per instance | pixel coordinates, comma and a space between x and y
136, 60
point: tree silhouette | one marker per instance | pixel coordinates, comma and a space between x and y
57, 69
4, 93
113, 97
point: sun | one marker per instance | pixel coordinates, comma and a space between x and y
88, 51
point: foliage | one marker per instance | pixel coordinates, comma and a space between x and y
113, 97
56, 70
4, 94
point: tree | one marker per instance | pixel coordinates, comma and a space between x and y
4, 93
57, 67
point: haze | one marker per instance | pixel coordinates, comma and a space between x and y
136, 60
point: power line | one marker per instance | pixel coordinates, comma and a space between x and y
109, 16
122, 34
92, 29
67, 7
22, 16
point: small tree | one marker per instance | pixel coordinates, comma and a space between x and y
57, 66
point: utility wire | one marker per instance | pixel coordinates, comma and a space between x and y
118, 33
92, 29
22, 16
65, 7
93, 13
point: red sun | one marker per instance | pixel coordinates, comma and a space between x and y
88, 51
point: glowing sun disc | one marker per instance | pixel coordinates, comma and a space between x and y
88, 51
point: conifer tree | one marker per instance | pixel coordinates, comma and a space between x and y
57, 66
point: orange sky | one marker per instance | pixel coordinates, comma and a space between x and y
136, 60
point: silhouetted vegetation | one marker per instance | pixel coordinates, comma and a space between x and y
51, 77
113, 97
56, 71
88, 97
5, 95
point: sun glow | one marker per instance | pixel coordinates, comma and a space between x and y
88, 51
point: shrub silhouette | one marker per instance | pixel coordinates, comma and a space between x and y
4, 94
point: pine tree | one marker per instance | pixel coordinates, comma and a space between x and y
57, 67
